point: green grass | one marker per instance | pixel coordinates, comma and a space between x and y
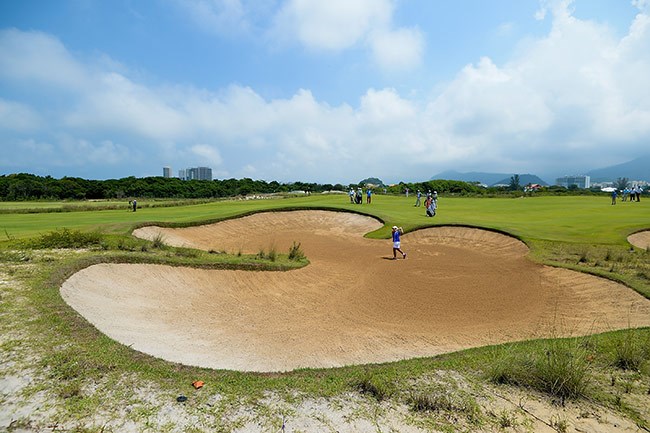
561, 219
557, 229
86, 205
583, 233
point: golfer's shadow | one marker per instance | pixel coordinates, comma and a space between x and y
388, 258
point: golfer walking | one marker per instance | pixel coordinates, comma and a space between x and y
397, 231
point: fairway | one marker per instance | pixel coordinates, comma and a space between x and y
458, 288
558, 219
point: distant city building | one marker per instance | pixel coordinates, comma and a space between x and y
167, 172
199, 173
582, 182
195, 173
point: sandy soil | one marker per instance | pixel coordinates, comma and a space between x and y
640, 239
458, 288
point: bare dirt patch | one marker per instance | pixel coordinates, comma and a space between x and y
458, 288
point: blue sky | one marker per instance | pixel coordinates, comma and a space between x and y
323, 91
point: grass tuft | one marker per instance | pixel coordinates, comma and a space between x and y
445, 400
66, 238
506, 419
560, 368
158, 241
295, 253
273, 253
584, 256
377, 387
630, 351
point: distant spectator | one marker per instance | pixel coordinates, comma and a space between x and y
430, 206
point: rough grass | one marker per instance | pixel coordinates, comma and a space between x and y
66, 238
89, 376
77, 379
628, 265
558, 367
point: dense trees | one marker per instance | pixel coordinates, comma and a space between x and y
22, 186
25, 186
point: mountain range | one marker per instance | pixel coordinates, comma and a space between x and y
488, 179
636, 169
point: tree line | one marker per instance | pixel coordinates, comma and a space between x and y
24, 186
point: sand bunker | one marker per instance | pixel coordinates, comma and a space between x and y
640, 239
459, 288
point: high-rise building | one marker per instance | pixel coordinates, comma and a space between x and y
195, 173
167, 172
582, 182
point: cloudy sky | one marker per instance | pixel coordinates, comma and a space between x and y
322, 91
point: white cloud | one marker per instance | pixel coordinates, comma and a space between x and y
338, 25
563, 100
38, 59
207, 154
330, 25
26, 152
577, 92
17, 116
381, 107
642, 5
559, 8
400, 49
217, 16
79, 151
117, 103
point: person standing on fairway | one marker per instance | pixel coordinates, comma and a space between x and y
397, 231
